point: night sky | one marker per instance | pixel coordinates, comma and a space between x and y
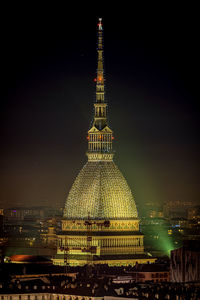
48, 65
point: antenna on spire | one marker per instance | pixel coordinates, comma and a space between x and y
100, 24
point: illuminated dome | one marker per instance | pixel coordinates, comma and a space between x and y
100, 192
100, 224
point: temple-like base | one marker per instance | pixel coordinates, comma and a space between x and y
114, 242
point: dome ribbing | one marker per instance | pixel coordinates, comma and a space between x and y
100, 192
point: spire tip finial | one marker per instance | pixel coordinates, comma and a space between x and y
100, 24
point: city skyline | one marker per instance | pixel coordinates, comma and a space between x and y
49, 93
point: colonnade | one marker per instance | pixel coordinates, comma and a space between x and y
110, 242
100, 142
119, 242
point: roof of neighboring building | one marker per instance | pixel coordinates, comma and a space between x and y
150, 268
30, 259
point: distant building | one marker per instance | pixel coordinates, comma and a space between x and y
194, 213
185, 263
1, 225
140, 273
179, 222
176, 209
151, 210
50, 238
35, 212
151, 272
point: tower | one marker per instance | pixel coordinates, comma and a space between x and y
100, 136
100, 221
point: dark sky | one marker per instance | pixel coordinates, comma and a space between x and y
48, 64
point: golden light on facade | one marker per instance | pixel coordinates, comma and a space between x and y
100, 195
101, 191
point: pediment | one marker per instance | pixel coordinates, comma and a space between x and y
106, 129
93, 129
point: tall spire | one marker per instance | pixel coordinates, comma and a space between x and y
100, 118
100, 71
100, 136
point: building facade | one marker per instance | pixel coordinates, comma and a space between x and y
101, 224
185, 263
